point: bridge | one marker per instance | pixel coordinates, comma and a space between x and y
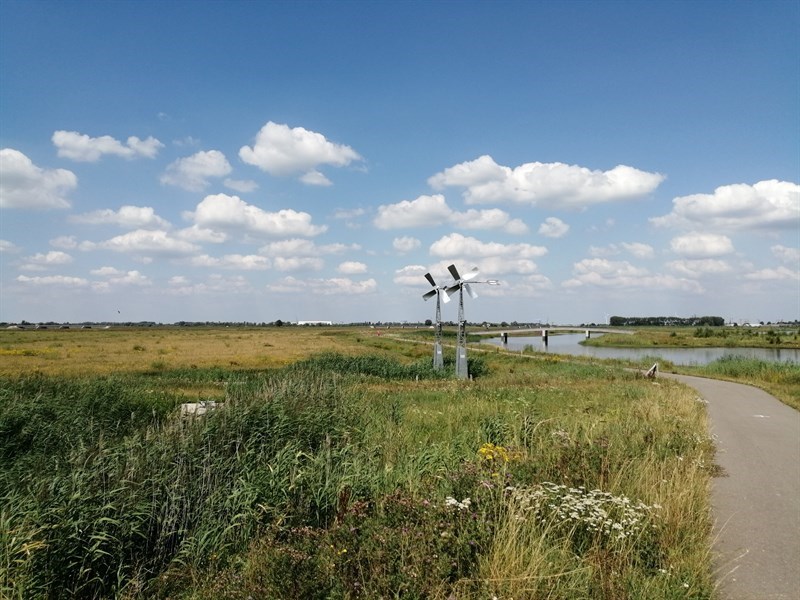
545, 331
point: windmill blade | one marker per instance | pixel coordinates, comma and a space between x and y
454, 272
430, 294
470, 291
452, 289
472, 274
430, 279
445, 297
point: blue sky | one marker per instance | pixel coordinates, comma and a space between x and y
254, 161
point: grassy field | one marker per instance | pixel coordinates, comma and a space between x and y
341, 466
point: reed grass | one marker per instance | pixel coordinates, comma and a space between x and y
350, 476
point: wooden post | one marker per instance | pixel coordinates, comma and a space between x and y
544, 336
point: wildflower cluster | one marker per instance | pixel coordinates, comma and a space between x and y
491, 453
596, 513
452, 502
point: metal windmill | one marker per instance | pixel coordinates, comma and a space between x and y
462, 371
438, 359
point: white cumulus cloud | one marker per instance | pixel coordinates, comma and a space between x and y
81, 147
303, 247
281, 150
145, 242
621, 275
241, 262
546, 185
405, 244
553, 227
770, 204
129, 217
779, 274
337, 286
41, 261
8, 247
786, 254
193, 172
298, 263
24, 185
456, 244
701, 245
350, 267
698, 267
230, 212
54, 280
431, 211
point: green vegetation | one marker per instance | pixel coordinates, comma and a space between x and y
355, 475
781, 379
703, 336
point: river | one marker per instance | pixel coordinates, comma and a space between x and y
570, 344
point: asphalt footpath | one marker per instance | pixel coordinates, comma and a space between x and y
756, 500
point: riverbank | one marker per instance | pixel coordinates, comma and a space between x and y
702, 337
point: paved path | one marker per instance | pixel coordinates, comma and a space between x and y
757, 503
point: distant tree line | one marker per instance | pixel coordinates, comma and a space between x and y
666, 321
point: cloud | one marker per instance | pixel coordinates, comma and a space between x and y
117, 277
405, 244
636, 249
701, 245
282, 151
455, 244
621, 275
768, 204
201, 235
298, 263
553, 227
146, 242
8, 247
414, 275
24, 185
192, 172
215, 285
785, 254
230, 212
41, 261
431, 211
779, 274
243, 186
303, 247
129, 217
106, 272
81, 147
66, 242
249, 262
54, 280
339, 286
349, 213
546, 185
699, 267
351, 268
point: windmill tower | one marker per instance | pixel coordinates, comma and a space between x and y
438, 359
462, 370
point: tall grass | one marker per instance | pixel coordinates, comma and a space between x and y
349, 477
781, 379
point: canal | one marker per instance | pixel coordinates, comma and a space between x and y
570, 344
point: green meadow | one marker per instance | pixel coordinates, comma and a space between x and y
338, 464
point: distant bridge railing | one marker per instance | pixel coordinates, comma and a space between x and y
545, 331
